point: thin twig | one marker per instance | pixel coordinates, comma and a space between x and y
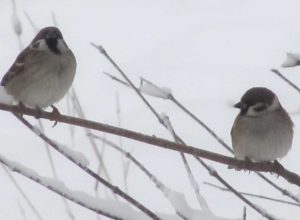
255, 207
178, 140
193, 182
210, 131
130, 157
34, 27
79, 110
33, 208
254, 195
123, 159
49, 155
22, 211
286, 79
115, 189
245, 213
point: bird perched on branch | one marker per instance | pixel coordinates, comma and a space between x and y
43, 72
263, 130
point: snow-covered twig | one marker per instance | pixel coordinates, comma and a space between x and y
49, 155
254, 195
227, 147
178, 140
164, 189
113, 210
81, 162
32, 207
163, 121
79, 110
194, 184
215, 136
292, 60
151, 89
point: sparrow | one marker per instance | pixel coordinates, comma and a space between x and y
43, 72
263, 130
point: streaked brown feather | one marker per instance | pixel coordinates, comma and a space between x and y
23, 60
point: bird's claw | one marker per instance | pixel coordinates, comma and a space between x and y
54, 115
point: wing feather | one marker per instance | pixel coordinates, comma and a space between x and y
17, 67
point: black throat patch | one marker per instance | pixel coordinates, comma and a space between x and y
52, 45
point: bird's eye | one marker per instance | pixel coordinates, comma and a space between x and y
260, 107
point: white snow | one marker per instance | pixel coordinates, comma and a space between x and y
115, 208
166, 121
208, 52
75, 155
151, 89
292, 59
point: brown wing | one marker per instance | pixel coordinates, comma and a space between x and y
17, 67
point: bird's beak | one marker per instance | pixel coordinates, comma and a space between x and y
240, 105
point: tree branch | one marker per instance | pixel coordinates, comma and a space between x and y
163, 143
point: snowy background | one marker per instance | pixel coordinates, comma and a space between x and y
209, 52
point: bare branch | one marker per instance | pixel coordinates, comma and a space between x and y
252, 205
34, 27
179, 140
286, 79
254, 195
81, 114
163, 143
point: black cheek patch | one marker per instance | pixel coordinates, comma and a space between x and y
260, 108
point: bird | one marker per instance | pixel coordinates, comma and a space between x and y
43, 72
263, 130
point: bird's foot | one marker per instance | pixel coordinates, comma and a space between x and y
20, 109
38, 113
242, 165
54, 115
247, 164
277, 167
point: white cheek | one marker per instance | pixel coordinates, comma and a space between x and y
42, 46
252, 112
62, 46
275, 105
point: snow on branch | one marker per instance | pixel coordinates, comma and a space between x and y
180, 141
111, 209
292, 60
177, 199
153, 90
70, 157
213, 134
